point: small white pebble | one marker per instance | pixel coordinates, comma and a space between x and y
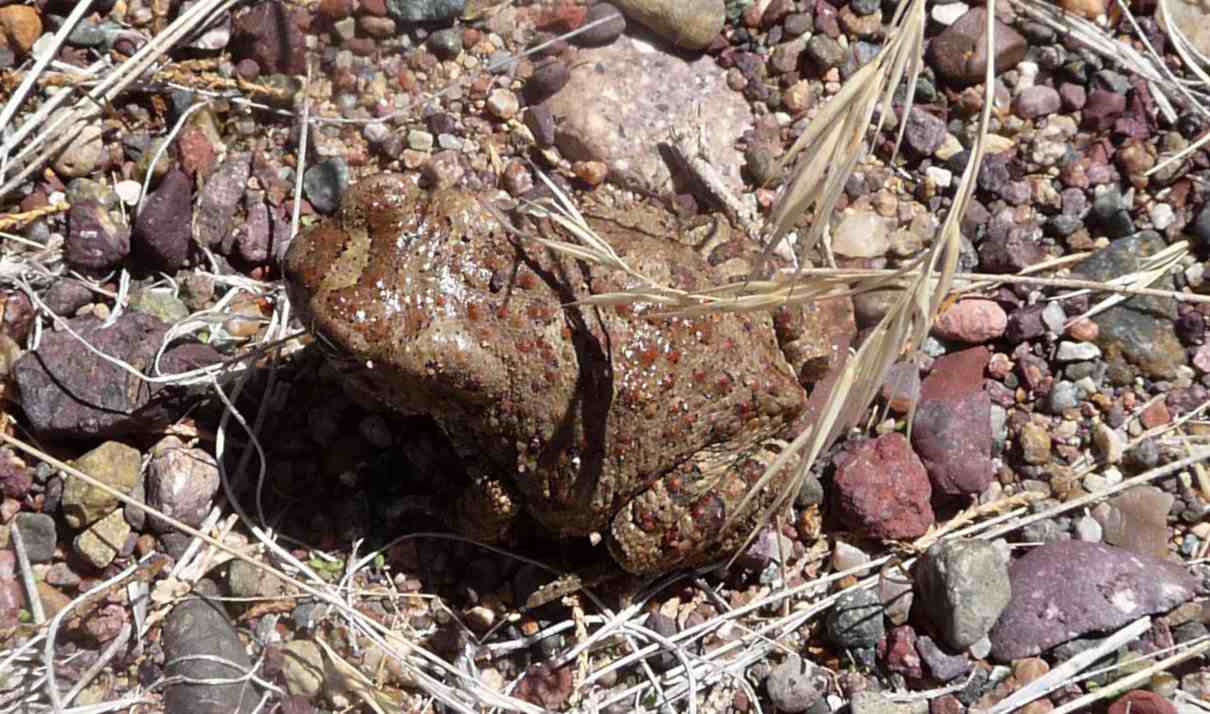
942, 177
128, 191
1162, 216
1088, 530
948, 13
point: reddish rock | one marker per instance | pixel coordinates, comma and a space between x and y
952, 432
1141, 701
12, 595
883, 491
1101, 109
545, 686
162, 230
948, 704
94, 240
972, 321
960, 54
218, 199
1036, 101
898, 652
1111, 587
198, 156
269, 33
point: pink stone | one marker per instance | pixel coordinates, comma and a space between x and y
1140, 701
972, 321
883, 491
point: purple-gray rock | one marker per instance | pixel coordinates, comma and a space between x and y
924, 132
1010, 251
541, 123
941, 665
67, 391
959, 53
324, 184
952, 431
219, 197
253, 240
94, 240
163, 227
1067, 589
269, 34
962, 586
38, 536
200, 643
546, 81
1037, 101
608, 31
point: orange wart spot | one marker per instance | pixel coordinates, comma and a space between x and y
648, 356
474, 312
527, 281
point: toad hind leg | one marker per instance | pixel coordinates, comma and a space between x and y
691, 515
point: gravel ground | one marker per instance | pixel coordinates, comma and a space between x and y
1071, 430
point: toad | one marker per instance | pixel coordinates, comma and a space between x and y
649, 430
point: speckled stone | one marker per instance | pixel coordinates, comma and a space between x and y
1136, 336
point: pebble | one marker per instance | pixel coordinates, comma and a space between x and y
218, 199
882, 490
1109, 443
112, 463
201, 644
941, 665
303, 668
67, 392
1141, 701
446, 44
163, 228
95, 240
1114, 587
22, 26
846, 556
1035, 443
925, 132
946, 14
80, 157
324, 184
38, 535
963, 586
181, 482
1036, 101
952, 431
502, 104
855, 620
650, 94
546, 81
270, 34
871, 702
1137, 520
794, 685
861, 234
420, 140
1076, 351
1138, 335
972, 321
691, 24
960, 54
607, 31
895, 592
99, 545
1101, 109
1088, 529
825, 52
